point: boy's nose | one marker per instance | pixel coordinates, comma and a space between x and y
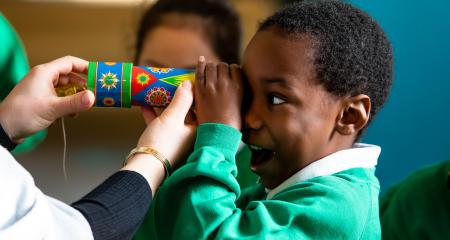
252, 119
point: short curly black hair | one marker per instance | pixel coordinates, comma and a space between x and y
221, 24
353, 54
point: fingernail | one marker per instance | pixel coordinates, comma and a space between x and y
201, 59
187, 84
85, 99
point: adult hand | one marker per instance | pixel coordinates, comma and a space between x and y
33, 104
168, 133
218, 93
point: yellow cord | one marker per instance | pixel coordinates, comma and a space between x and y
65, 149
69, 89
62, 91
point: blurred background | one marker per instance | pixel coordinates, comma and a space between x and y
413, 128
101, 30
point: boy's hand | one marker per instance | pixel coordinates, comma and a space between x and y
218, 93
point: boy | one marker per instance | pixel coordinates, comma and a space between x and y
318, 72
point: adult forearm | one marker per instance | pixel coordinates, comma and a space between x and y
147, 166
116, 208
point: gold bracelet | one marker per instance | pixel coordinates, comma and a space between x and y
153, 152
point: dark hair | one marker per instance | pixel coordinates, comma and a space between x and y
222, 24
353, 54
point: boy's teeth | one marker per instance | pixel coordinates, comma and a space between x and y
257, 148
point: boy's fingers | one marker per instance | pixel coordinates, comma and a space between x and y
223, 73
200, 72
211, 75
181, 102
236, 74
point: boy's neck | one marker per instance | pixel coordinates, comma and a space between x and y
337, 143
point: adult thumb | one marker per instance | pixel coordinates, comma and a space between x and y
181, 102
74, 103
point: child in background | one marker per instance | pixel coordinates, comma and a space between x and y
318, 72
419, 206
174, 33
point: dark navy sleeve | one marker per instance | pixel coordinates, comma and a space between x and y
5, 141
117, 207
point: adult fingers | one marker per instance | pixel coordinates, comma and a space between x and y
73, 104
158, 110
181, 102
72, 78
148, 113
66, 65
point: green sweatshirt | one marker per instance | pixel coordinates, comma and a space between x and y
418, 207
13, 66
246, 177
203, 200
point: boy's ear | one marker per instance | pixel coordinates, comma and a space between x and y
354, 114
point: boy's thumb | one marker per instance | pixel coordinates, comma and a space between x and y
181, 102
74, 103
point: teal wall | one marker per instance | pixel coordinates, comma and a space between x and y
413, 129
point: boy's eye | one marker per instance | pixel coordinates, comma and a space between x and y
275, 100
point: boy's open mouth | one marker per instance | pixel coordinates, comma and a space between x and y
260, 156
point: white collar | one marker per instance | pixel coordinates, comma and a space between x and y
359, 156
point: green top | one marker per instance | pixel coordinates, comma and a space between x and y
13, 66
246, 178
203, 200
418, 207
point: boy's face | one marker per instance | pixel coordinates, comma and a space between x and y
290, 118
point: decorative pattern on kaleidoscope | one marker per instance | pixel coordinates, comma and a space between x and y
158, 97
108, 80
117, 84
